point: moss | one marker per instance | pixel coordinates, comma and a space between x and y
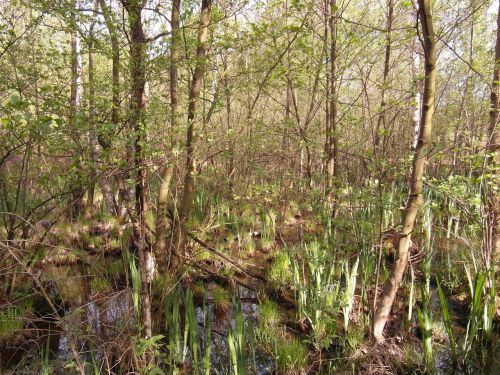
96, 242
203, 254
198, 289
221, 299
150, 220
227, 272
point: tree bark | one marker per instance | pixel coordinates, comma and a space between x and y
494, 151
179, 241
332, 170
163, 259
102, 136
419, 160
231, 170
381, 121
417, 112
138, 215
380, 152
327, 103
94, 152
78, 192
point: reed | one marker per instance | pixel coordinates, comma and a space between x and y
348, 295
191, 325
236, 342
177, 349
476, 286
207, 343
445, 314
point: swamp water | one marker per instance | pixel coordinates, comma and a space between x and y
97, 312
99, 317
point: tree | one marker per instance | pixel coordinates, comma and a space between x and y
332, 167
103, 136
184, 210
416, 183
160, 245
493, 147
78, 192
137, 214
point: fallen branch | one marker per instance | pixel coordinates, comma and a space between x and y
225, 278
228, 259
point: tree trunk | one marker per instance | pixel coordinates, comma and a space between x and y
327, 103
160, 246
231, 171
94, 152
138, 216
288, 103
419, 160
179, 241
102, 137
332, 170
78, 192
494, 150
381, 121
417, 112
137, 70
380, 152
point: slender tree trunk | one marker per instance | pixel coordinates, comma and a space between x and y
380, 152
327, 103
103, 137
381, 121
417, 111
138, 216
494, 150
419, 160
194, 95
78, 192
137, 69
160, 245
115, 88
227, 93
332, 169
94, 152
288, 102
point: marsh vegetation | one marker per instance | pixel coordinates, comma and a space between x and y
233, 187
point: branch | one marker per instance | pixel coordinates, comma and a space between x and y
158, 36
228, 259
